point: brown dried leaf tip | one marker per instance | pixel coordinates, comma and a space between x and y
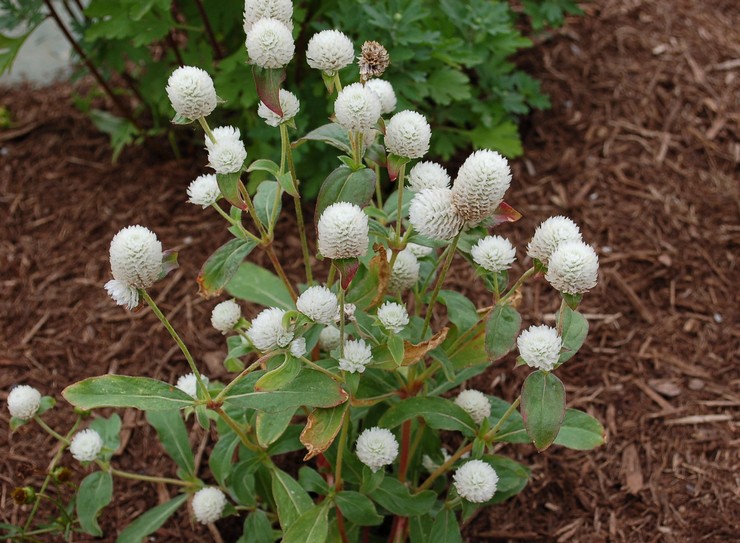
373, 61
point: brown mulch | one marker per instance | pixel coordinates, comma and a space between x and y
641, 149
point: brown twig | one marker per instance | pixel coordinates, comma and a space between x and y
209, 30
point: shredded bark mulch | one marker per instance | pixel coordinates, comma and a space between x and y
640, 148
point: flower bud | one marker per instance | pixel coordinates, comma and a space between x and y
267, 331
480, 185
428, 175
188, 383
385, 94
357, 355
405, 272
227, 154
494, 254
549, 235
475, 404
573, 267
357, 108
225, 316
204, 191
329, 338
393, 316
319, 304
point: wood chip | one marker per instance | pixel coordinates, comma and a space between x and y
631, 470
698, 419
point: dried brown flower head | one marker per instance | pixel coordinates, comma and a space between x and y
373, 61
23, 495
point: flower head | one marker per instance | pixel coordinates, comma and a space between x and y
298, 347
428, 175
227, 154
549, 235
385, 93
329, 338
480, 185
407, 134
86, 445
330, 51
135, 261
188, 383
204, 190
432, 215
319, 304
123, 293
357, 355
23, 402
288, 103
225, 316
270, 43
223, 134
373, 60
191, 92
405, 272
393, 316
494, 253
357, 108
267, 331
419, 251
475, 404
254, 10
377, 447
208, 504
573, 267
343, 231
540, 347
476, 481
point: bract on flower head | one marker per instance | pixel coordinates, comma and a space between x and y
343, 231
289, 104
254, 10
480, 185
357, 108
191, 92
267, 331
408, 134
330, 51
270, 44
377, 447
432, 215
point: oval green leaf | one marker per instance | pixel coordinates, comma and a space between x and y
394, 496
580, 431
439, 413
151, 521
123, 391
345, 185
253, 283
543, 408
502, 328
290, 497
95, 492
332, 134
222, 265
357, 508
174, 438
575, 330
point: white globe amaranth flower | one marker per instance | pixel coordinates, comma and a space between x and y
551, 233
357, 355
573, 267
480, 185
225, 316
135, 261
319, 304
23, 402
298, 347
191, 92
405, 272
377, 447
476, 481
387, 96
349, 312
419, 251
393, 316
369, 137
270, 43
475, 404
208, 504
86, 445
188, 383
357, 108
123, 293
432, 215
330, 51
254, 10
408, 134
428, 175
329, 338
539, 347
288, 103
494, 254
343, 231
227, 154
267, 331
204, 191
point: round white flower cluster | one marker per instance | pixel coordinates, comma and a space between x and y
357, 355
135, 261
420, 251
330, 51
377, 447
191, 92
408, 134
204, 191
270, 43
267, 331
476, 481
319, 304
573, 267
225, 316
549, 235
188, 383
428, 175
86, 445
494, 254
298, 347
432, 215
357, 108
329, 338
343, 231
540, 347
208, 504
288, 103
405, 272
23, 402
393, 316
475, 404
254, 10
227, 154
480, 185
387, 96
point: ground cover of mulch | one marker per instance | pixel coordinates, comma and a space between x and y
641, 148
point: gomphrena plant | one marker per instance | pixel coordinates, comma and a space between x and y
351, 367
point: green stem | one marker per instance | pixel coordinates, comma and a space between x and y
207, 129
526, 275
238, 430
280, 271
560, 316
318, 368
399, 209
147, 478
337, 83
236, 223
50, 431
341, 317
253, 366
378, 191
298, 208
438, 285
425, 285
493, 431
332, 275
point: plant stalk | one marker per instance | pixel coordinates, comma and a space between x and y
438, 285
209, 30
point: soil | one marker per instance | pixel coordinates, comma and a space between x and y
640, 148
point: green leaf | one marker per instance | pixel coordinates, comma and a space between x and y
512, 477
357, 508
150, 521
445, 528
420, 528
122, 132
543, 407
503, 138
281, 376
174, 438
512, 430
447, 85
460, 310
439, 413
286, 181
502, 328
266, 166
122, 391
580, 431
267, 203
395, 346
9, 47
291, 500
222, 265
109, 430
311, 481
270, 426
257, 528
331, 133
394, 496
575, 330
268, 81
231, 186
242, 482
254, 283
221, 458
95, 492
345, 185
322, 428
311, 527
